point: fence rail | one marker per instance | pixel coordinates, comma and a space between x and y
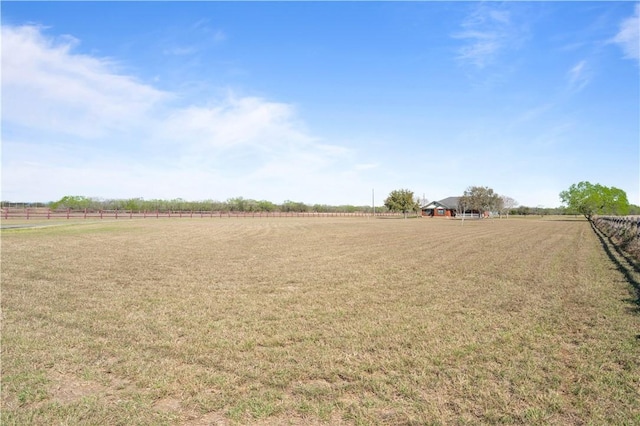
467, 216
623, 230
46, 214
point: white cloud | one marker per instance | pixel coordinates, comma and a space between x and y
488, 31
367, 166
78, 125
219, 36
532, 114
234, 121
45, 85
579, 76
180, 50
628, 37
215, 34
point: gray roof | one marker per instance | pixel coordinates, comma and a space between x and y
450, 202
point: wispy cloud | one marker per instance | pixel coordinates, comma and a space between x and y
219, 36
534, 113
46, 86
628, 36
487, 31
234, 122
203, 26
180, 50
87, 128
579, 76
366, 166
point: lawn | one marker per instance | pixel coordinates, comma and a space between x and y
317, 321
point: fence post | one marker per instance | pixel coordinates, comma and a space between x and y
6, 212
48, 213
27, 209
68, 211
101, 213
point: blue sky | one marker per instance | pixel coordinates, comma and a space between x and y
318, 102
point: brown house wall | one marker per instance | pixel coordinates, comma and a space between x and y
447, 213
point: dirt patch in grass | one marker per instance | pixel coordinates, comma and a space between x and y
66, 389
317, 321
209, 419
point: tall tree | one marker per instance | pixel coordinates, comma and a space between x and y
401, 200
592, 199
480, 198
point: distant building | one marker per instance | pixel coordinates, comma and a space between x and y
449, 208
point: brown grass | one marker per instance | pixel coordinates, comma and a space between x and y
317, 321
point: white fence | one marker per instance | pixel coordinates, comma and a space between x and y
468, 216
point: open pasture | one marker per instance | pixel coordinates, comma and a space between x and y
317, 321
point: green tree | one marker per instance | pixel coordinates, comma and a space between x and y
237, 204
133, 204
401, 200
523, 210
592, 199
294, 206
74, 202
266, 206
481, 198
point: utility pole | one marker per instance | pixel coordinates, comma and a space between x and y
373, 201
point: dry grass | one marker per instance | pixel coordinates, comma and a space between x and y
317, 321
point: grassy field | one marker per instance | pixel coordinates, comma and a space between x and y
318, 321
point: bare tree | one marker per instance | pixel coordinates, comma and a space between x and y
508, 203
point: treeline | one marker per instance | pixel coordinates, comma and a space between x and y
544, 211
240, 204
237, 204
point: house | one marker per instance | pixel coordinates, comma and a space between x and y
449, 207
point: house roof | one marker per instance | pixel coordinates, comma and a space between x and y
450, 203
432, 205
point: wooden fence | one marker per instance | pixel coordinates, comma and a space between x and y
623, 230
46, 214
